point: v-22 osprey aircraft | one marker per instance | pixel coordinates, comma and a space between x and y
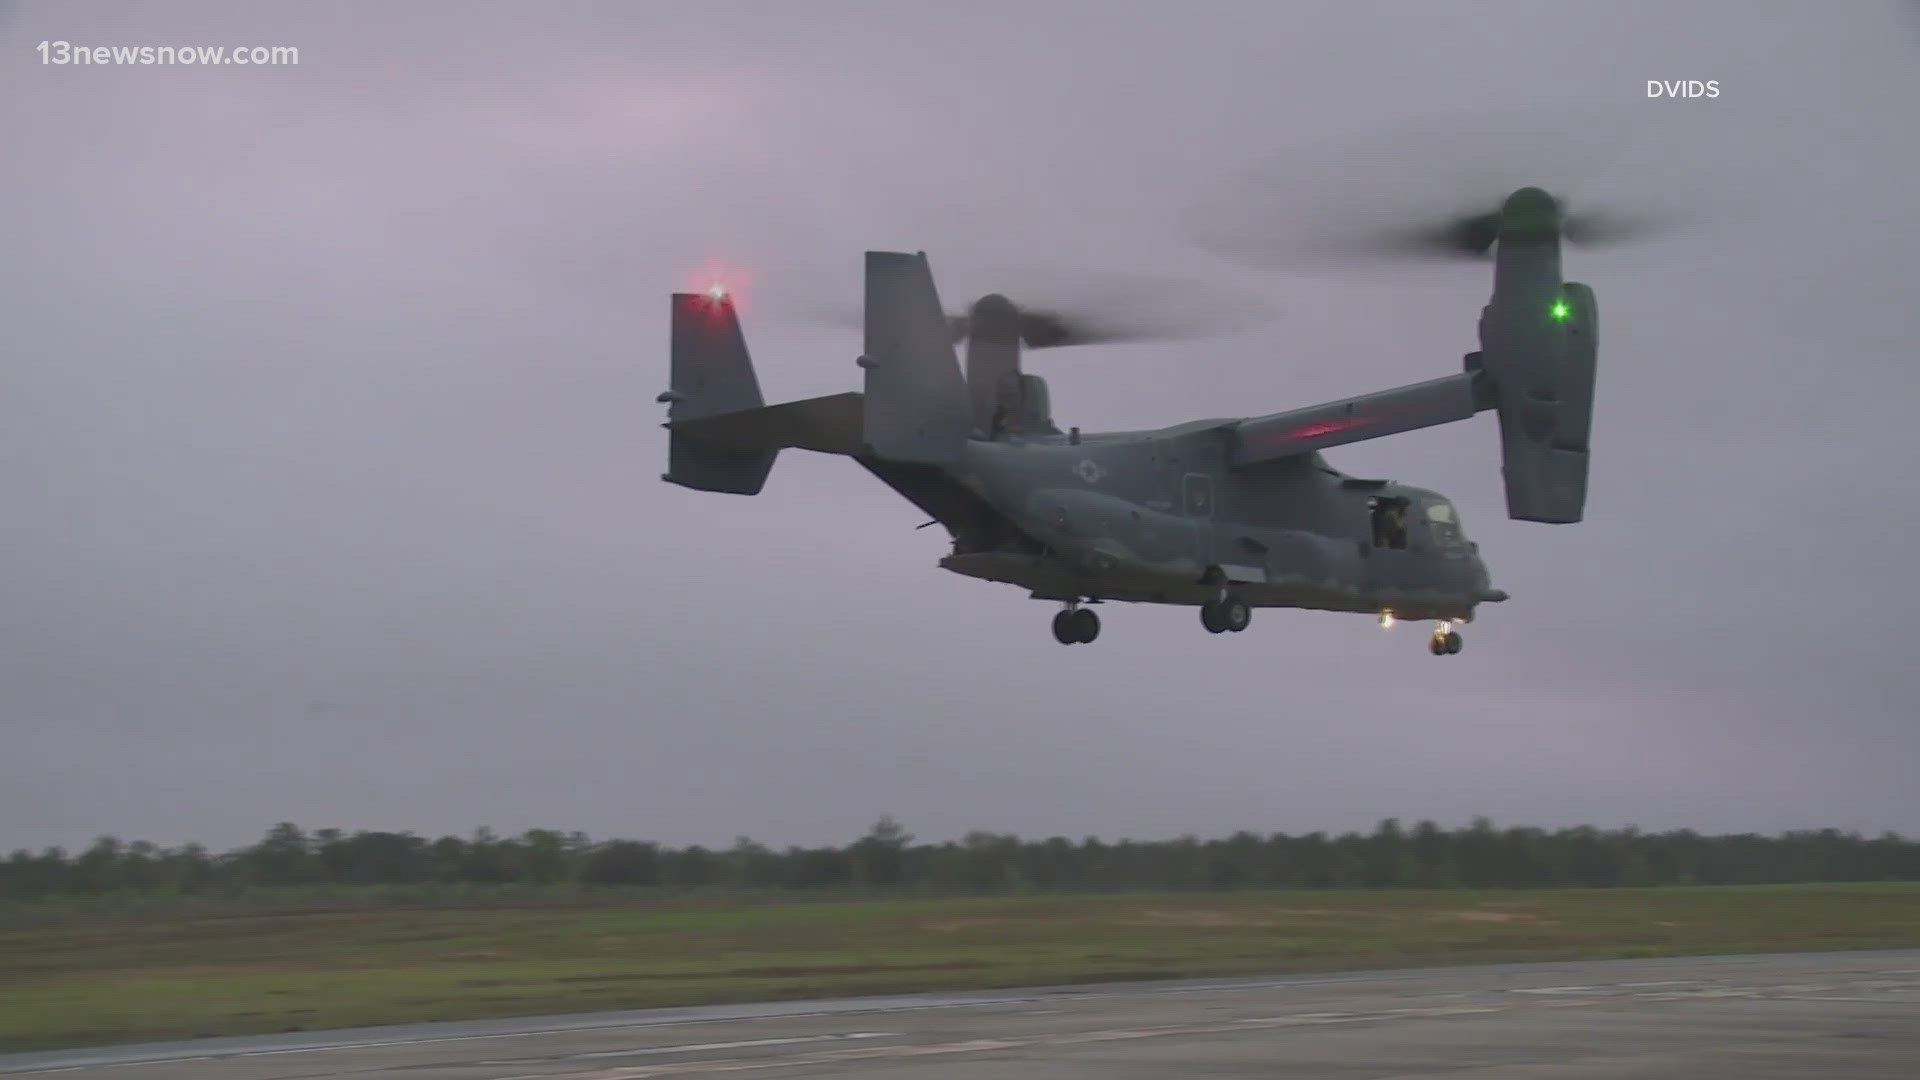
1224, 515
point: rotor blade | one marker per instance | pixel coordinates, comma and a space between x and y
1616, 226
1061, 308
849, 316
1433, 191
1102, 308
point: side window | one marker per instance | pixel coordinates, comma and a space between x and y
1444, 526
1389, 518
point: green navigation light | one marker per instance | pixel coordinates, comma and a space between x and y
1561, 311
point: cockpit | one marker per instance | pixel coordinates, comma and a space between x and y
1410, 515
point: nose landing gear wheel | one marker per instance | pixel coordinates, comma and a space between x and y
1076, 626
1445, 642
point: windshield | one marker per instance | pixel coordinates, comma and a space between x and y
1444, 525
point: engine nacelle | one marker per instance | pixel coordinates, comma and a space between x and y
1538, 350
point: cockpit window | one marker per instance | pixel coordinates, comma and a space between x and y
1444, 526
1440, 514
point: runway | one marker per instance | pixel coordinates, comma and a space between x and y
1828, 1015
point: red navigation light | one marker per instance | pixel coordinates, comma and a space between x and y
1324, 427
718, 284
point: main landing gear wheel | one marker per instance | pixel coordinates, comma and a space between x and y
1076, 626
1225, 614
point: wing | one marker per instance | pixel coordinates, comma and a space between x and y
1369, 416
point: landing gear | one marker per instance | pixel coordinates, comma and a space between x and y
1446, 641
1076, 626
1225, 613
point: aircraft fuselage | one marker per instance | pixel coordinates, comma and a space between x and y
1158, 517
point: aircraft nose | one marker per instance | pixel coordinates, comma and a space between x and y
1483, 584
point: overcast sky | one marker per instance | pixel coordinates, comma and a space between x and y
329, 451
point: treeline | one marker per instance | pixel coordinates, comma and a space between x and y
887, 860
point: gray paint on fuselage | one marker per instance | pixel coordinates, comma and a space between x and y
1120, 517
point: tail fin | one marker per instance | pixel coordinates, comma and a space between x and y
712, 374
917, 408
1538, 351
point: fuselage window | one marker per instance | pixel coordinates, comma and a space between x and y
1389, 523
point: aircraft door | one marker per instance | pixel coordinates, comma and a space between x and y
1196, 498
1197, 494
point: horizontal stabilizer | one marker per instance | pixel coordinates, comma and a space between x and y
1369, 416
694, 464
829, 425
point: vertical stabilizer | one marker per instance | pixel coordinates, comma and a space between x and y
712, 374
917, 409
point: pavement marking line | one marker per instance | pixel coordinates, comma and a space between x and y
686, 1048
1298, 1019
718, 1065
694, 1048
1824, 997
50, 1069
738, 1044
971, 1046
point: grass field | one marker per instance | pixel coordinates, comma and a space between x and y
124, 978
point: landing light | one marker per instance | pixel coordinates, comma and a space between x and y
1386, 620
